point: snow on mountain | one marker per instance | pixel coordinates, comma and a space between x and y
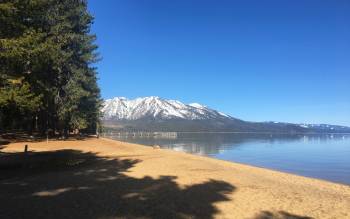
313, 127
323, 126
156, 107
196, 105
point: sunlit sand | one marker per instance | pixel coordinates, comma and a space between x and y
120, 179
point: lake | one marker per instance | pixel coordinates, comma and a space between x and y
320, 156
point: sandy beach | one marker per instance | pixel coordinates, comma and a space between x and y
102, 178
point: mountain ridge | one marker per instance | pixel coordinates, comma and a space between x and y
123, 108
157, 114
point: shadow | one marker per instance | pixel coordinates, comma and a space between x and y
73, 184
4, 142
2, 147
279, 215
13, 137
23, 137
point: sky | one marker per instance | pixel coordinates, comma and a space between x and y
255, 60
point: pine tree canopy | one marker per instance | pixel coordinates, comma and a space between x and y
46, 77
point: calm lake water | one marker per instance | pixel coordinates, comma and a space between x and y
319, 156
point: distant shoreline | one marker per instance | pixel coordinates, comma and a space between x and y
282, 133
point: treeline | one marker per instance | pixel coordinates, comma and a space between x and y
47, 78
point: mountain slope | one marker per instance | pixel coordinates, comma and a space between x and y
157, 114
155, 107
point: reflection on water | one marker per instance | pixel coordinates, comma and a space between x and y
320, 156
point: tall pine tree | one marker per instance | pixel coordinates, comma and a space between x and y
46, 56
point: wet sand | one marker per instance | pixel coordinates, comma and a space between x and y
102, 178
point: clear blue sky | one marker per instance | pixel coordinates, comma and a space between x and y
256, 60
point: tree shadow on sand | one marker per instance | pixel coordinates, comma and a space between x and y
73, 184
279, 215
23, 137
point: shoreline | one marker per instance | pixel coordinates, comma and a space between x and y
247, 191
265, 133
236, 163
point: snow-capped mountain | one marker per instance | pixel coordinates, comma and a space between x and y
158, 114
121, 108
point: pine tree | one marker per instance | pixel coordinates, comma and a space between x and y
47, 45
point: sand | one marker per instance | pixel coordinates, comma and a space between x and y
122, 180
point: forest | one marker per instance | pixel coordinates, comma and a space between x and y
48, 81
